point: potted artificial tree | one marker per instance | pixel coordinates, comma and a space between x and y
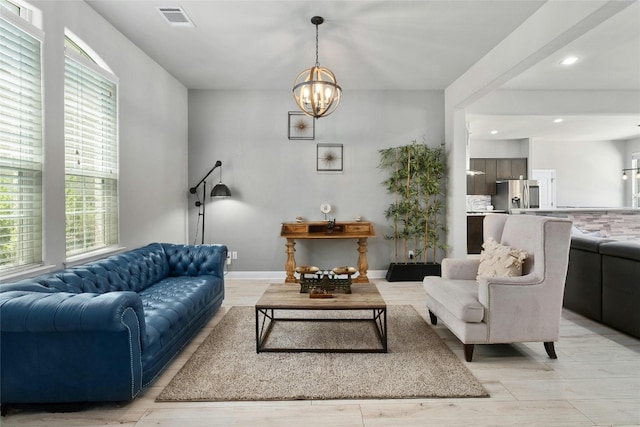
416, 179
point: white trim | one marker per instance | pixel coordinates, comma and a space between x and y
22, 23
25, 272
95, 67
31, 23
92, 256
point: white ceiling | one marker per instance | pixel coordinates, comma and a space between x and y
379, 45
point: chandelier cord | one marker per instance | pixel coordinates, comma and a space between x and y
317, 62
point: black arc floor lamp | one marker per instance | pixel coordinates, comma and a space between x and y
219, 190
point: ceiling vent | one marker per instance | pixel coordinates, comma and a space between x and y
176, 17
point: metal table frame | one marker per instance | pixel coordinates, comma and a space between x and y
266, 318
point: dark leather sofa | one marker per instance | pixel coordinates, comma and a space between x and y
621, 286
104, 331
603, 281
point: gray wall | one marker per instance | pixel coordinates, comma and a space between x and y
587, 172
504, 148
153, 132
274, 179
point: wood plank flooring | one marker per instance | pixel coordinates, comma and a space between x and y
594, 381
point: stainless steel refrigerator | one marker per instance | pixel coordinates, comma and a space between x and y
516, 194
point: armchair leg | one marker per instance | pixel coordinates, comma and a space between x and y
468, 352
433, 318
551, 351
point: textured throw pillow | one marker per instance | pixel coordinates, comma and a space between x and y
497, 260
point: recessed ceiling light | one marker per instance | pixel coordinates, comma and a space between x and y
558, 120
493, 132
569, 60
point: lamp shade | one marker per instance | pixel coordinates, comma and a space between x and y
220, 190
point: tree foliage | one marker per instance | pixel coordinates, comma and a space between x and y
416, 179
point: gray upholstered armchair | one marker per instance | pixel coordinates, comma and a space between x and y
489, 310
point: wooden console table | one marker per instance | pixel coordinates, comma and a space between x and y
319, 230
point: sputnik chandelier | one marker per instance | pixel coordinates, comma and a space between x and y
316, 90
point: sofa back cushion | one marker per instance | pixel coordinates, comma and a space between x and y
189, 260
59, 281
133, 270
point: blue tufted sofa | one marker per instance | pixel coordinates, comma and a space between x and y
103, 331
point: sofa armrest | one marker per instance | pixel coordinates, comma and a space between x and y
24, 311
491, 289
65, 347
514, 303
460, 268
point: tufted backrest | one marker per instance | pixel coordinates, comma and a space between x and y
129, 271
133, 270
59, 281
188, 260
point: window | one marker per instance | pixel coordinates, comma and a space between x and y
20, 147
91, 154
12, 7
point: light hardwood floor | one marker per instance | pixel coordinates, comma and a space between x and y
594, 381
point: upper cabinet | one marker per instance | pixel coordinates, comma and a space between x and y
511, 168
494, 170
482, 184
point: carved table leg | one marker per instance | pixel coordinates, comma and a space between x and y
363, 265
290, 263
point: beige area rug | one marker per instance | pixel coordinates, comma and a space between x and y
226, 366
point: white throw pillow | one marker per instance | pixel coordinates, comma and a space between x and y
497, 260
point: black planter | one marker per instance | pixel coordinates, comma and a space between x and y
411, 272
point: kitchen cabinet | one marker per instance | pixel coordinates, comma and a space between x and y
494, 170
482, 184
511, 168
474, 233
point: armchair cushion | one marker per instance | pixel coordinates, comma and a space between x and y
459, 296
498, 260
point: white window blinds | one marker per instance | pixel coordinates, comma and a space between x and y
91, 158
20, 148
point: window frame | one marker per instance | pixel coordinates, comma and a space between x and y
90, 61
35, 260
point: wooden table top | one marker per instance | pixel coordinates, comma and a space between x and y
288, 296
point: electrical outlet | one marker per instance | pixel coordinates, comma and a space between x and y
228, 259
234, 255
410, 254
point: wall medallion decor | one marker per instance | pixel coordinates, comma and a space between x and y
301, 126
329, 157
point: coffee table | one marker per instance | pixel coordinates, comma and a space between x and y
285, 296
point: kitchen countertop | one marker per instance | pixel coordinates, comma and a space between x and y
576, 209
482, 213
